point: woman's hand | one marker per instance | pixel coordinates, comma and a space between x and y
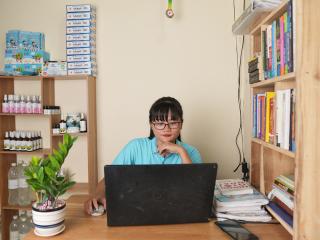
165, 148
93, 203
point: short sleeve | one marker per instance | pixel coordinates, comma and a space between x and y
126, 155
195, 156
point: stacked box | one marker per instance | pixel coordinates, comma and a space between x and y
24, 53
81, 39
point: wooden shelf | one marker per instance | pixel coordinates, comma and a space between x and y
72, 134
36, 78
273, 15
272, 81
28, 114
16, 207
68, 77
274, 147
280, 220
44, 151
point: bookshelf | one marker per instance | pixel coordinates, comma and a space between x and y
47, 86
269, 160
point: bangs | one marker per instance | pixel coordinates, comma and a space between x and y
161, 111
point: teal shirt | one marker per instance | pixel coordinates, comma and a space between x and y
144, 151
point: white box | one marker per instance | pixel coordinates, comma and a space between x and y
80, 44
80, 30
81, 58
81, 72
81, 51
81, 65
81, 37
81, 15
80, 23
80, 8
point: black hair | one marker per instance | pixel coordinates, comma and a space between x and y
160, 109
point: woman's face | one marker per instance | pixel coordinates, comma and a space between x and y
166, 131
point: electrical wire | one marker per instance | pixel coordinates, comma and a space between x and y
242, 161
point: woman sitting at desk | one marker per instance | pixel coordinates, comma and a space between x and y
163, 146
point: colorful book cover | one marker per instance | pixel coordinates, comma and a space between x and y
292, 121
269, 44
281, 213
290, 33
274, 49
272, 119
282, 45
269, 95
278, 50
286, 42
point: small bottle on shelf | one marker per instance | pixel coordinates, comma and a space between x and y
29, 142
28, 105
83, 123
17, 104
6, 141
23, 141
23, 190
12, 141
40, 140
13, 185
11, 104
5, 104
22, 105
17, 146
14, 228
39, 106
63, 125
34, 105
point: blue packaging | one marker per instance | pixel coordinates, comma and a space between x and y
12, 39
80, 37
14, 56
81, 58
23, 69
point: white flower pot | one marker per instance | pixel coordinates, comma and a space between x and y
48, 222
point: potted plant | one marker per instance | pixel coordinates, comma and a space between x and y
45, 177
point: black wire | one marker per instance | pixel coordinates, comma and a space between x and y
240, 130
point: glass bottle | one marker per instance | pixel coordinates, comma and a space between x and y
13, 185
83, 123
5, 104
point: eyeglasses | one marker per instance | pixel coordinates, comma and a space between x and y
162, 125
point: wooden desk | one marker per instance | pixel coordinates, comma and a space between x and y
81, 226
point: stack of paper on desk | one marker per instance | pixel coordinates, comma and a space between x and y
245, 207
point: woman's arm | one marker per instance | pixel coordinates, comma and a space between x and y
168, 147
98, 197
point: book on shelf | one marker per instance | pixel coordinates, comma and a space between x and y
282, 205
277, 45
281, 213
273, 117
234, 187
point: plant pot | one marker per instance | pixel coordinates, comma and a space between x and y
48, 222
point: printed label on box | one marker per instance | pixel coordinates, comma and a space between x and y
80, 8
81, 37
80, 44
80, 23
83, 15
80, 58
79, 30
78, 65
81, 71
81, 51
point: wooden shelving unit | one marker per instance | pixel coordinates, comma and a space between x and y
8, 123
268, 160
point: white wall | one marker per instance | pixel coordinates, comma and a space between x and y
143, 55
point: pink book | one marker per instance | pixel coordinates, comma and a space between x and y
282, 62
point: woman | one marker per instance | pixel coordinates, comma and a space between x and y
163, 146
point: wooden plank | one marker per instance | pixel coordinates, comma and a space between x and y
272, 81
92, 135
274, 147
307, 224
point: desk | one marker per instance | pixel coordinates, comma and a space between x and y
81, 226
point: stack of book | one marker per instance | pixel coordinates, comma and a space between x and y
255, 69
282, 198
236, 199
273, 115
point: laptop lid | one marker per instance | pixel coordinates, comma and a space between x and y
159, 194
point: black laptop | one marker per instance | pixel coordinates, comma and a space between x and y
159, 194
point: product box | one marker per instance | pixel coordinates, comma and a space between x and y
81, 23
81, 15
23, 69
81, 58
79, 65
80, 30
81, 44
15, 56
25, 40
80, 37
12, 39
54, 68
81, 51
80, 8
82, 72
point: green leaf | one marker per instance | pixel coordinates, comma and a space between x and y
50, 172
54, 163
35, 161
40, 175
63, 149
58, 156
